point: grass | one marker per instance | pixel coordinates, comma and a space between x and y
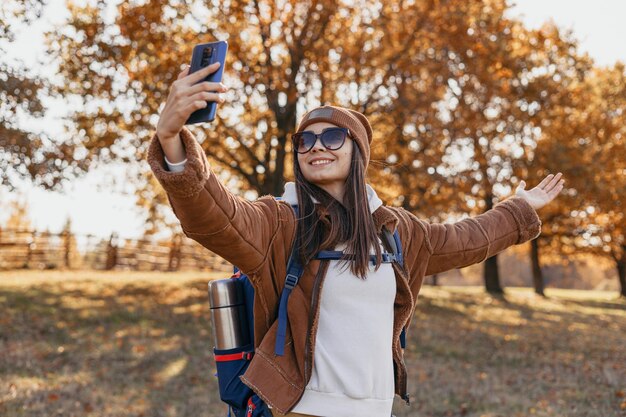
88, 343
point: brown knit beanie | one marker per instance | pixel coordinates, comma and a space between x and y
360, 129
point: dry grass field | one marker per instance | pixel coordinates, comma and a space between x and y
139, 344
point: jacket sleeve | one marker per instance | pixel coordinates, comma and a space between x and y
472, 240
236, 229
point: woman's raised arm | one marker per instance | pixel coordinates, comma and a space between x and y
238, 230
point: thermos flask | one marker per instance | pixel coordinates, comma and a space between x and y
228, 314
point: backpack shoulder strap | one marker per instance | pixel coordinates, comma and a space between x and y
294, 272
399, 255
395, 245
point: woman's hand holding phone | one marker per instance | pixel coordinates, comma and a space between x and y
186, 95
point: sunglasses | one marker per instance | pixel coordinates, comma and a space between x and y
332, 138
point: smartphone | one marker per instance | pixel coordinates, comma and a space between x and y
204, 55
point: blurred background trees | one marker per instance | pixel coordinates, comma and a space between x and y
26, 154
464, 102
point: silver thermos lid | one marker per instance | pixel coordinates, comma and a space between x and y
224, 293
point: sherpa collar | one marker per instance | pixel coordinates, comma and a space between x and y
291, 197
383, 216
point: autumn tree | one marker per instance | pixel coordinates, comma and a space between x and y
609, 168
25, 154
587, 140
502, 77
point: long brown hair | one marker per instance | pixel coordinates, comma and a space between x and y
323, 226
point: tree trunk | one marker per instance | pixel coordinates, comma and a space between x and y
621, 272
491, 275
536, 267
279, 173
286, 122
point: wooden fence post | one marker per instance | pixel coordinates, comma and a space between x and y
111, 253
29, 254
66, 257
175, 254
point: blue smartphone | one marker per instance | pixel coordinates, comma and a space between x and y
204, 55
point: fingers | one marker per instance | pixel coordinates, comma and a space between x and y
194, 105
553, 182
202, 73
545, 181
560, 185
199, 101
206, 96
556, 190
207, 86
555, 186
185, 91
549, 182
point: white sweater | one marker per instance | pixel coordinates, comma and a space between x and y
352, 363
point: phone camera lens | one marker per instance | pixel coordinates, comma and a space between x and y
207, 53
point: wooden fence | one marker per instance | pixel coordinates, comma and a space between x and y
30, 249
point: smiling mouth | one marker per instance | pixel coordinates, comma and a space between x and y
321, 162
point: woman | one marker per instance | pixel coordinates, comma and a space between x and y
342, 355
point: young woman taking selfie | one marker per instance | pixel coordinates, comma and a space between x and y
342, 353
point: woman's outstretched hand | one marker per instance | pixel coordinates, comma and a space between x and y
542, 194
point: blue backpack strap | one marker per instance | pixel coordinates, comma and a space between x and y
294, 272
335, 255
400, 258
398, 249
393, 242
396, 245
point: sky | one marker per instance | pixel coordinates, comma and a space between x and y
100, 209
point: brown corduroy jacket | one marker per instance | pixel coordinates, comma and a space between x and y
257, 237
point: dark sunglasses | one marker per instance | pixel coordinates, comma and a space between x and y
332, 138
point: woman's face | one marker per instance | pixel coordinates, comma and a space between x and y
326, 168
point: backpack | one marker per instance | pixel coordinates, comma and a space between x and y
231, 363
